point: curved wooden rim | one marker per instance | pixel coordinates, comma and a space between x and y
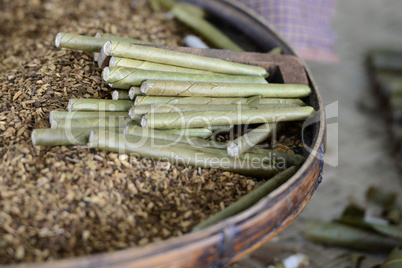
222, 243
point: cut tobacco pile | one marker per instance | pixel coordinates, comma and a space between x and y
209, 120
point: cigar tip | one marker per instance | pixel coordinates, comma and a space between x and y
53, 124
136, 101
106, 74
233, 149
125, 130
107, 48
33, 137
112, 62
57, 40
92, 139
70, 105
115, 95
96, 56
144, 121
51, 117
131, 93
144, 87
131, 112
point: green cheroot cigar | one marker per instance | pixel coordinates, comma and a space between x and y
188, 137
135, 77
201, 133
249, 200
222, 90
394, 259
63, 137
337, 234
99, 105
120, 95
134, 92
182, 108
152, 66
249, 140
122, 86
185, 154
224, 118
158, 55
204, 28
103, 123
88, 43
146, 100
63, 115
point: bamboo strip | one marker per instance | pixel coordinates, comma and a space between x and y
221, 90
135, 77
176, 58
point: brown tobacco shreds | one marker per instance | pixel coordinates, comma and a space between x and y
59, 202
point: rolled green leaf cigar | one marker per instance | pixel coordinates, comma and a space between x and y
134, 92
180, 137
138, 52
202, 133
249, 200
135, 77
222, 118
117, 38
53, 137
222, 90
122, 86
342, 235
204, 28
182, 108
99, 105
64, 137
145, 100
394, 259
249, 140
146, 65
103, 123
87, 43
189, 136
120, 95
185, 154
62, 115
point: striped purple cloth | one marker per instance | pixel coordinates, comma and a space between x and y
306, 24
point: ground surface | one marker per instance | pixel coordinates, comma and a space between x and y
363, 143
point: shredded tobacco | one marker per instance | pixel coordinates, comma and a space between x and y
58, 202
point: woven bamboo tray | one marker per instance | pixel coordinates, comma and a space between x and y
239, 235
